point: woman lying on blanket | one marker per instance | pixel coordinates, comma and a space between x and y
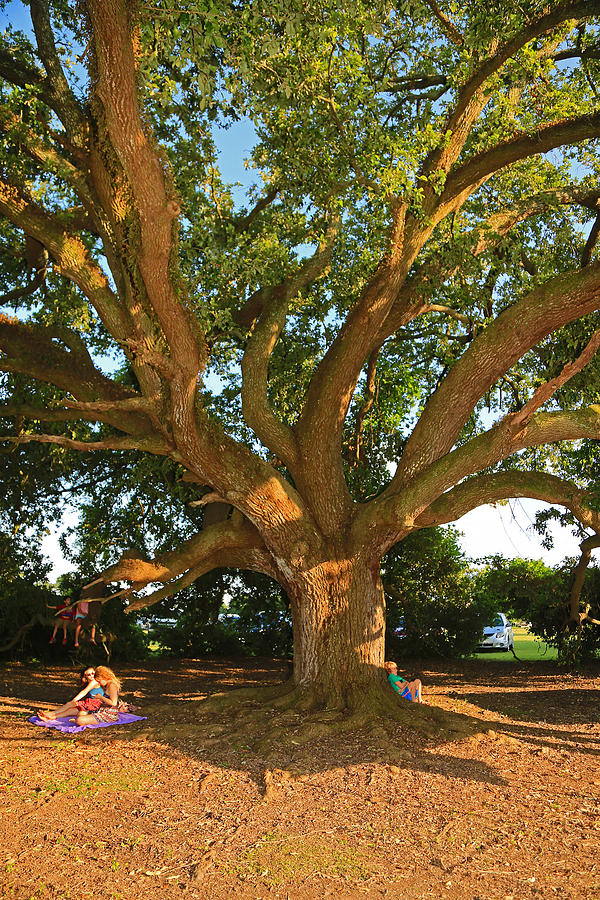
88, 699
110, 705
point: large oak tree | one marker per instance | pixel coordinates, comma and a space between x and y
398, 327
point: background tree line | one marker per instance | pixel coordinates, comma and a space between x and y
438, 601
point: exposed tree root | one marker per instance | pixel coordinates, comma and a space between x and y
228, 700
274, 721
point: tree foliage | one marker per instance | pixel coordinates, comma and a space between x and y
539, 594
23, 582
432, 607
396, 320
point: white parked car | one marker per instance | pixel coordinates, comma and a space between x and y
498, 635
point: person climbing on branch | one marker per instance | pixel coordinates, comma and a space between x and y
65, 615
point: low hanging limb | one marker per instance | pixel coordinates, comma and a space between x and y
40, 619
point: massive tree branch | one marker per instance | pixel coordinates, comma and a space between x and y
71, 256
156, 207
484, 489
273, 433
335, 379
56, 414
466, 177
233, 543
490, 488
150, 444
59, 356
229, 558
472, 97
500, 442
411, 300
391, 516
492, 353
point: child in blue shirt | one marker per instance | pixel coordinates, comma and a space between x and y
408, 690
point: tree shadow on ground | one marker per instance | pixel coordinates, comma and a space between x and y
561, 740
269, 743
160, 678
489, 673
563, 706
252, 737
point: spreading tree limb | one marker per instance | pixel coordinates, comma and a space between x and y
155, 204
62, 99
466, 177
492, 353
233, 543
496, 486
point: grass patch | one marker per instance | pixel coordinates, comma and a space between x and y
276, 860
88, 784
528, 648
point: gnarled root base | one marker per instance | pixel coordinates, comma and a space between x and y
281, 720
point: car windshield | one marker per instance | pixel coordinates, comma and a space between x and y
498, 623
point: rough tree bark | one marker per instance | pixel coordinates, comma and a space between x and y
338, 611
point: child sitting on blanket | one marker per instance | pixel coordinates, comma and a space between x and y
110, 706
408, 690
89, 698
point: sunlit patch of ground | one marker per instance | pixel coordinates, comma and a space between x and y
177, 807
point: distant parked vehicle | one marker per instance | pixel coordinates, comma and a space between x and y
400, 631
498, 635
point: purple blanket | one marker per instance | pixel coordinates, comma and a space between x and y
70, 726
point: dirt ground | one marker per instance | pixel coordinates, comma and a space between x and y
176, 806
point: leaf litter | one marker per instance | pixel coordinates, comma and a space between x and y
193, 805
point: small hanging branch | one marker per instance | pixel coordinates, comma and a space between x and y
370, 394
579, 573
448, 26
520, 419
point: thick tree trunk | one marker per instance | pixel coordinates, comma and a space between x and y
338, 611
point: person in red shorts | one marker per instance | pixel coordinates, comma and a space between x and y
89, 699
64, 615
